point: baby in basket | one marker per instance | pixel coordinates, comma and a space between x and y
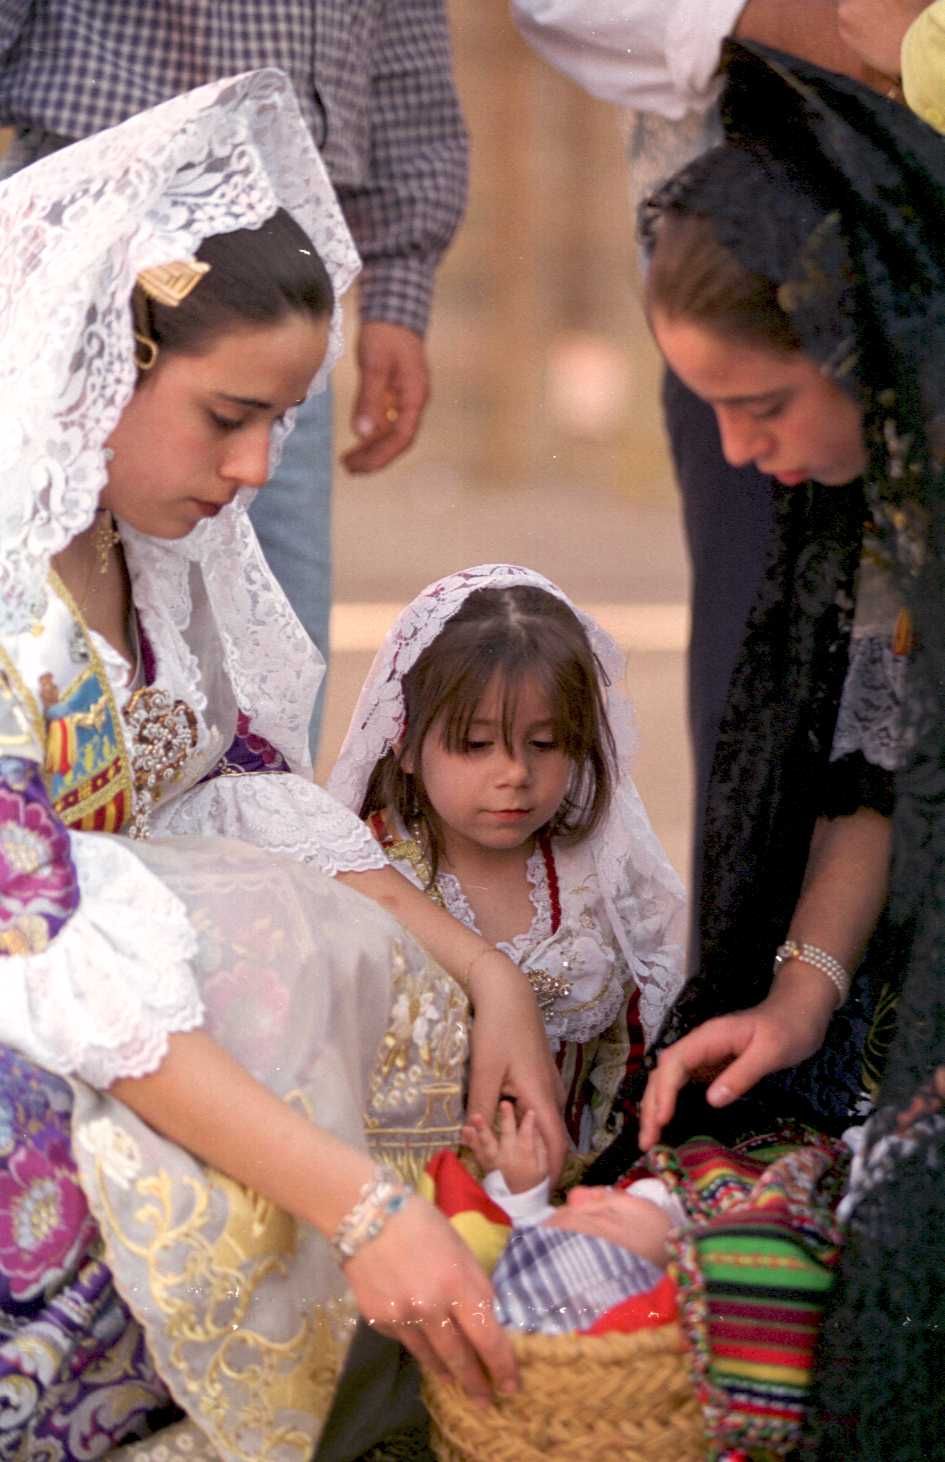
563, 1268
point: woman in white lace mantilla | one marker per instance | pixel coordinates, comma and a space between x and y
490, 752
191, 1014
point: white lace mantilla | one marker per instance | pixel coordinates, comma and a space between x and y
75, 230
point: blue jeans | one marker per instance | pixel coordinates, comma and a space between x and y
292, 518
292, 515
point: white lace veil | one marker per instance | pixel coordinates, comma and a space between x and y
628, 856
75, 230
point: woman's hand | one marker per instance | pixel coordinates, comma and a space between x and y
418, 1283
733, 1052
510, 1054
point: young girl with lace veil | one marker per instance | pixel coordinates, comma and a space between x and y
489, 752
192, 1001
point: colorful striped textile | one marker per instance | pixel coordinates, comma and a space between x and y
754, 1270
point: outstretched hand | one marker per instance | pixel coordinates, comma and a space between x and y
419, 1283
510, 1054
732, 1053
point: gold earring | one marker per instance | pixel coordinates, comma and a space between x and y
145, 363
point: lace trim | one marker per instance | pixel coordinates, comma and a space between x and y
379, 714
575, 956
83, 223
870, 720
539, 894
103, 1000
279, 811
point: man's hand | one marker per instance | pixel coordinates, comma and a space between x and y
393, 390
875, 28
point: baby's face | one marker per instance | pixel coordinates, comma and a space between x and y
608, 1213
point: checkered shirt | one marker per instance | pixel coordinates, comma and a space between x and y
552, 1280
373, 78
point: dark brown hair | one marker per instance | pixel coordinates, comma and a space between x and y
257, 276
511, 633
692, 276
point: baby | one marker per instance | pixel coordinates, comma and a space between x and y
565, 1267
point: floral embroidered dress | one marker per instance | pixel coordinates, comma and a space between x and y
162, 863
602, 952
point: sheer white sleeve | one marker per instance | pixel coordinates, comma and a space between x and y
279, 811
102, 1000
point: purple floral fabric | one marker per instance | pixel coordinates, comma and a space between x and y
75, 1376
248, 754
39, 891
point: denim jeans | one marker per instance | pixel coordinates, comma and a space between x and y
292, 514
292, 518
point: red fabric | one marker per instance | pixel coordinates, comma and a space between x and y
640, 1312
458, 1192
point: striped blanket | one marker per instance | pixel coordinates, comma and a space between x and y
754, 1270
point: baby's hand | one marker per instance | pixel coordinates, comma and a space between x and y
516, 1149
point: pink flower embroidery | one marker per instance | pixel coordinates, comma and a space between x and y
37, 876
44, 1218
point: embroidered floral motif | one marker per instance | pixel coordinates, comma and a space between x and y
38, 887
74, 1371
115, 1149
44, 1217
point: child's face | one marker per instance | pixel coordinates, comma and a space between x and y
486, 796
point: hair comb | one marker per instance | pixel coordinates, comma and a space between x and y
169, 284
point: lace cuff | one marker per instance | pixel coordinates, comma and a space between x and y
870, 720
102, 1000
281, 812
853, 782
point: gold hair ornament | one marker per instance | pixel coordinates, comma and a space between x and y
169, 284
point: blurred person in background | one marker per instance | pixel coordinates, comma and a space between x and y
375, 85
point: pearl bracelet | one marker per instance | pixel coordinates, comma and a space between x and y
810, 954
380, 1198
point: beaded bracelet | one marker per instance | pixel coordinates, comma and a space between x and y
380, 1198
811, 954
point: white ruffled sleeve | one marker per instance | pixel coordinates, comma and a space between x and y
279, 811
101, 1001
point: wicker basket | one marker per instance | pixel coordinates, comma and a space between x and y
626, 1397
